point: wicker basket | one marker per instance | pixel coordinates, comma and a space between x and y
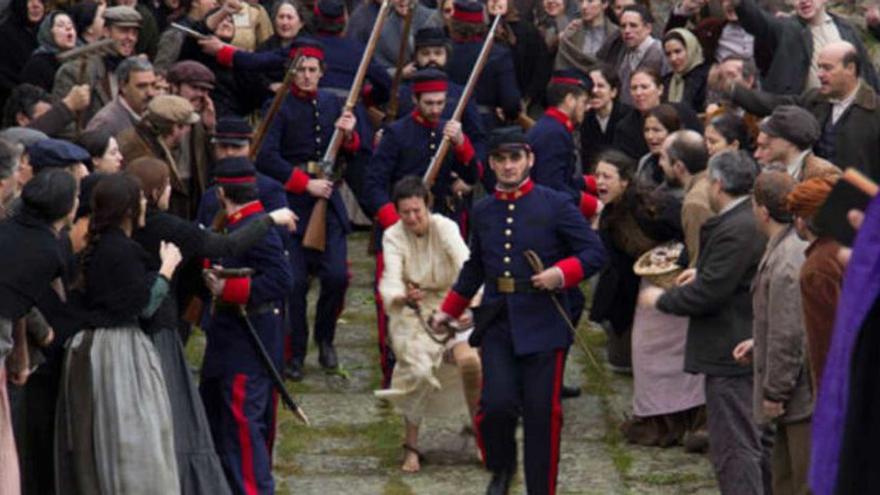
662, 275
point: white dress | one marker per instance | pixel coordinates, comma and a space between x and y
422, 383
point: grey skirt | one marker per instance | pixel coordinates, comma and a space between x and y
113, 431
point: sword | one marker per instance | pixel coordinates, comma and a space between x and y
270, 367
538, 267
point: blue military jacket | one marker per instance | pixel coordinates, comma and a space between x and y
496, 87
471, 122
406, 148
555, 159
229, 348
504, 226
299, 134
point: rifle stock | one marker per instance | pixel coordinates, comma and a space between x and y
315, 236
277, 100
440, 155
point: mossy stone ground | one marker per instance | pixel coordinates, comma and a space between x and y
353, 446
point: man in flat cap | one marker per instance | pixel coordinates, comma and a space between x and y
522, 336
787, 137
846, 107
137, 86
122, 25
55, 153
159, 134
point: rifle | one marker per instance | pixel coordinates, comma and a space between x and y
394, 102
277, 100
440, 155
315, 236
192, 33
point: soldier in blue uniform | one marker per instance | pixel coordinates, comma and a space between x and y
496, 87
406, 148
295, 142
552, 140
232, 138
521, 335
236, 389
556, 158
432, 51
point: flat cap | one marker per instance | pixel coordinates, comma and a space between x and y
233, 130
193, 73
794, 124
431, 36
171, 108
235, 170
23, 135
122, 16
508, 138
56, 153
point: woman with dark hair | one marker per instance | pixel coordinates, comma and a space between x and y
114, 432
289, 21
666, 400
646, 90
660, 122
31, 274
725, 132
605, 113
198, 465
88, 20
19, 35
56, 35
104, 150
688, 80
423, 254
531, 60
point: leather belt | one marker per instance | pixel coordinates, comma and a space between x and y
311, 168
510, 285
255, 310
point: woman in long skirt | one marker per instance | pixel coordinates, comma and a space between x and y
113, 425
423, 255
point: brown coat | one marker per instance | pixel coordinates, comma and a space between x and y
780, 362
695, 210
820, 283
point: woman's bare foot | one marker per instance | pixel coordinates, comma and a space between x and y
410, 460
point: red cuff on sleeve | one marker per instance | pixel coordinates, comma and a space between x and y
387, 215
590, 184
352, 144
465, 152
236, 290
454, 304
225, 55
297, 182
588, 205
572, 271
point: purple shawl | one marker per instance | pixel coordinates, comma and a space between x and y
861, 287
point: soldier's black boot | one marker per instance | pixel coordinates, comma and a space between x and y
500, 484
327, 356
294, 370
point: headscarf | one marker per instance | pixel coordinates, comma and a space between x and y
44, 34
695, 58
83, 16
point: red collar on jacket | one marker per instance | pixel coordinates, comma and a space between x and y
560, 117
245, 211
302, 94
422, 121
523, 189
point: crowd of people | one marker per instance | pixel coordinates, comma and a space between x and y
172, 164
